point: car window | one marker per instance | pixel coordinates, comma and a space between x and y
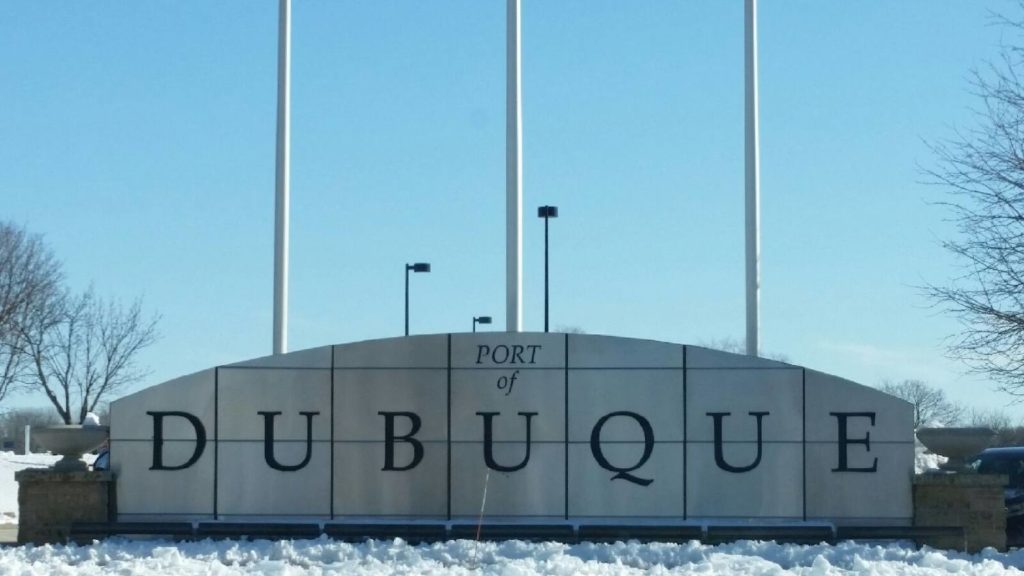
991, 467
1012, 468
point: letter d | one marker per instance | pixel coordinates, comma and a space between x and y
158, 440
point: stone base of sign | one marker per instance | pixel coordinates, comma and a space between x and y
973, 501
49, 501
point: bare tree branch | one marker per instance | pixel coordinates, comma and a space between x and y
76, 349
931, 408
87, 351
29, 276
983, 170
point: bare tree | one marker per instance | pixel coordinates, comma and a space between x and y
995, 419
84, 349
983, 170
930, 404
1008, 432
29, 277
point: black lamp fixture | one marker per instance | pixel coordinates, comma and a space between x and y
480, 320
546, 212
417, 267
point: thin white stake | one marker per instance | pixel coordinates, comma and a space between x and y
483, 502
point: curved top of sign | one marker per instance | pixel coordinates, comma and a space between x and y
534, 350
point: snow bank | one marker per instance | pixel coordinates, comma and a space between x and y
925, 460
511, 558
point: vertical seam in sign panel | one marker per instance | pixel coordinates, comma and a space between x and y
216, 435
331, 446
685, 445
566, 423
803, 421
448, 476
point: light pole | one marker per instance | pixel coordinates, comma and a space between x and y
480, 320
417, 267
546, 212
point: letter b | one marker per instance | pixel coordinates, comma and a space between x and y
390, 438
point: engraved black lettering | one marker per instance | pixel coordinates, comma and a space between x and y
268, 442
158, 440
390, 439
517, 353
719, 456
500, 349
845, 440
623, 473
533, 351
489, 442
481, 351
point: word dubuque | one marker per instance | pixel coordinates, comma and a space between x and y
525, 356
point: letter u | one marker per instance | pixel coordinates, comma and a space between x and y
489, 442
268, 442
720, 457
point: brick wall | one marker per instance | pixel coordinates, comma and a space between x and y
974, 501
50, 501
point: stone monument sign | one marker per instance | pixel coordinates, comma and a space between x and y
559, 427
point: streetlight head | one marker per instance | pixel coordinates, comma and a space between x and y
419, 267
547, 212
483, 320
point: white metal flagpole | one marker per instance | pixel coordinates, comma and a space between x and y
753, 182
284, 48
513, 174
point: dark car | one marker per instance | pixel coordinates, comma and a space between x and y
1010, 461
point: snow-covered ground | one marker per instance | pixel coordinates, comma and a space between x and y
513, 558
517, 558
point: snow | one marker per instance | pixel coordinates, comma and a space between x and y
509, 558
512, 558
924, 460
9, 464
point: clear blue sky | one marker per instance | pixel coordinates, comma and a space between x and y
138, 137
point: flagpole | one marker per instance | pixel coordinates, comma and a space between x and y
753, 181
283, 168
513, 173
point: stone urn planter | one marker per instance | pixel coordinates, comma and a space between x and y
70, 441
956, 444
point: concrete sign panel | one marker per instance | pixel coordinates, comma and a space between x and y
554, 427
